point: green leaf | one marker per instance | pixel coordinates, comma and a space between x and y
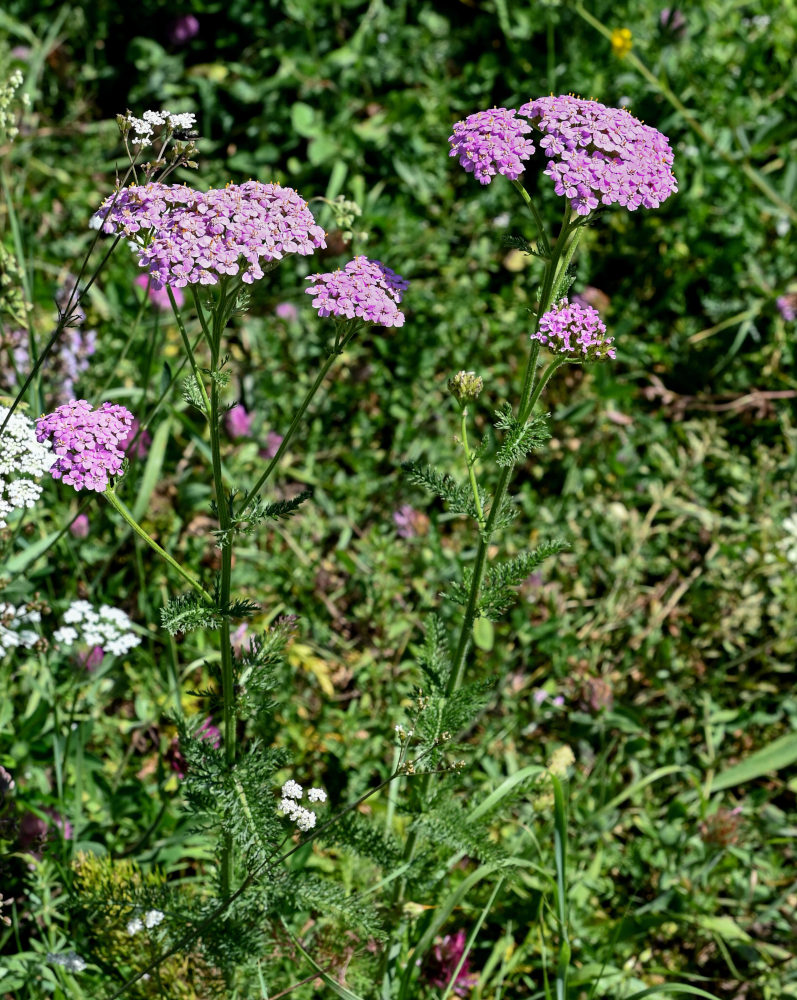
692, 991
152, 470
483, 634
303, 120
779, 754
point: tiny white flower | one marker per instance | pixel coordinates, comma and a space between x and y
305, 820
134, 926
70, 960
152, 918
317, 795
292, 790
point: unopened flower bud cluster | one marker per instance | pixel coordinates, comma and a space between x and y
110, 628
8, 113
465, 386
292, 792
23, 461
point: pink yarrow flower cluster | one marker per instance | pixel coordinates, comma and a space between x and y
365, 289
575, 330
491, 142
186, 236
600, 155
88, 442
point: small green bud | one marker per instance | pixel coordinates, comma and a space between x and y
465, 386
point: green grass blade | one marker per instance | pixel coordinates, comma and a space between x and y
779, 754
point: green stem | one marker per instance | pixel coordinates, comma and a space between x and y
220, 316
120, 508
189, 350
529, 201
340, 344
471, 462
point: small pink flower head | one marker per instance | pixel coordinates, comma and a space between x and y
600, 155
287, 311
443, 960
491, 142
238, 422
273, 441
207, 731
80, 526
365, 289
136, 445
159, 297
183, 29
574, 330
88, 442
90, 659
787, 306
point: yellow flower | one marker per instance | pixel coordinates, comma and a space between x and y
621, 42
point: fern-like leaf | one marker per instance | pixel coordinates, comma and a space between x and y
520, 438
188, 612
456, 496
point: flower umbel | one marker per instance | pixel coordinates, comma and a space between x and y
491, 142
365, 289
599, 155
87, 442
23, 461
187, 237
574, 330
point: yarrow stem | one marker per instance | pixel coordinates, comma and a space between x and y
340, 343
122, 509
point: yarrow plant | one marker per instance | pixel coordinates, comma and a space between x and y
574, 331
364, 289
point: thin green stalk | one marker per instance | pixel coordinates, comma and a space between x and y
529, 202
120, 508
471, 462
229, 716
297, 419
123, 353
560, 860
190, 352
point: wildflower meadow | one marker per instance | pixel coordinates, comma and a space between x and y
398, 501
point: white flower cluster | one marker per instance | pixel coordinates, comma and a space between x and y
292, 792
150, 919
110, 628
70, 960
23, 460
14, 631
788, 545
144, 128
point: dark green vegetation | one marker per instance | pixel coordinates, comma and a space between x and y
667, 628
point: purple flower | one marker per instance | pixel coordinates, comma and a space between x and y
444, 959
287, 311
599, 155
673, 21
405, 520
207, 731
273, 441
238, 422
186, 237
491, 142
88, 442
365, 289
136, 445
90, 659
64, 366
80, 526
787, 306
159, 297
183, 29
574, 330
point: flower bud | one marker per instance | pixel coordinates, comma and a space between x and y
465, 386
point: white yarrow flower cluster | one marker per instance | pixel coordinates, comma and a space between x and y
788, 545
23, 461
150, 919
110, 628
143, 128
292, 792
14, 627
70, 960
